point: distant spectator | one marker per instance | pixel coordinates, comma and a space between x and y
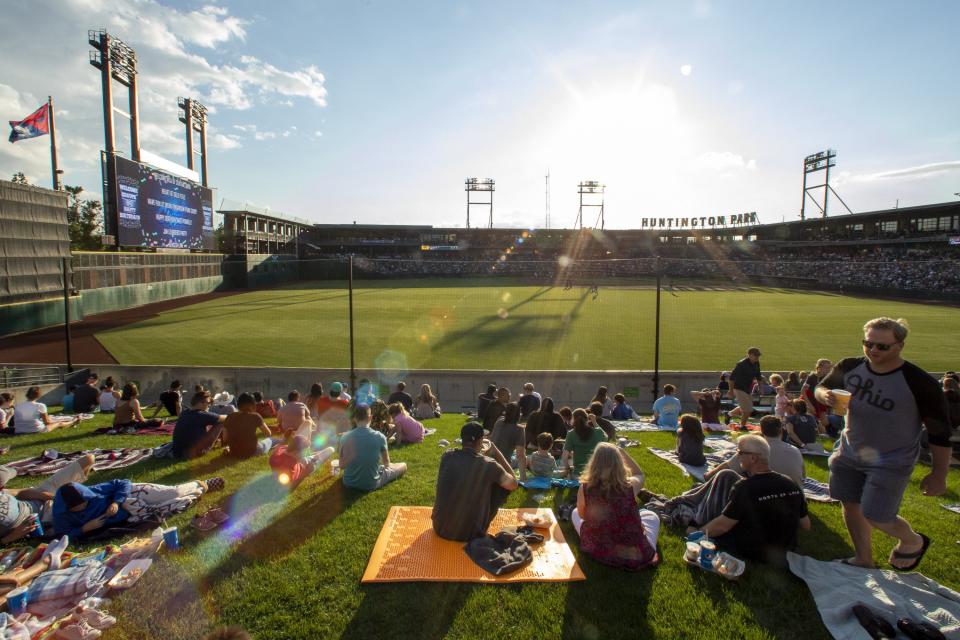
241, 430
333, 410
293, 463
31, 416
529, 401
67, 401
484, 400
316, 392
793, 384
380, 418
108, 396
510, 437
293, 417
612, 530
170, 400
602, 396
128, 414
265, 408
366, 393
496, 408
723, 386
197, 428
471, 487
581, 441
781, 400
426, 405
814, 407
6, 409
708, 402
409, 430
364, 457
667, 408
401, 396
801, 428
223, 404
622, 410
541, 462
743, 376
546, 420
597, 410
86, 397
763, 387
566, 414
690, 441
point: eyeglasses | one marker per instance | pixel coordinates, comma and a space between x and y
746, 453
868, 344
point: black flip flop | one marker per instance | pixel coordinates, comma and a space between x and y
917, 556
919, 630
876, 626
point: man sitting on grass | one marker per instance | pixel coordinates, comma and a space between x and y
471, 487
667, 408
196, 429
292, 415
764, 510
364, 457
86, 397
784, 458
241, 428
596, 408
169, 400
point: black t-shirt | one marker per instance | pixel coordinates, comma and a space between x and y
242, 429
804, 426
744, 374
768, 508
494, 411
85, 399
402, 397
465, 482
528, 403
483, 403
541, 422
170, 400
190, 430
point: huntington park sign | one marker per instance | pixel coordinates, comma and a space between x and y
735, 220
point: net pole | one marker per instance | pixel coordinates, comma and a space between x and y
656, 339
66, 314
353, 372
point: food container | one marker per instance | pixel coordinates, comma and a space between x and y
128, 576
538, 520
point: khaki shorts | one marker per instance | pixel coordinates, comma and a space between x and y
745, 402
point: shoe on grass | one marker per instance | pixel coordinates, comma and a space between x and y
55, 551
215, 484
96, 618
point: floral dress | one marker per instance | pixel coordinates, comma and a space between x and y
612, 532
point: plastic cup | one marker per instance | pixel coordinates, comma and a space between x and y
171, 538
841, 400
334, 468
17, 601
693, 552
38, 532
708, 551
623, 442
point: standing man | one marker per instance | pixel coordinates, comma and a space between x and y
891, 401
741, 383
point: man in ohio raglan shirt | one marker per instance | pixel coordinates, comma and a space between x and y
891, 400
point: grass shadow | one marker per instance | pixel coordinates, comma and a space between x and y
408, 610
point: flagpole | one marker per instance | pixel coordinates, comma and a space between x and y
53, 145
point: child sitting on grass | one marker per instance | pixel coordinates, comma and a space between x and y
292, 463
541, 462
690, 441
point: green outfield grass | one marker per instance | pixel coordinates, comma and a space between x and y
475, 325
291, 565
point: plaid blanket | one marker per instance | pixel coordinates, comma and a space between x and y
164, 429
816, 490
634, 425
67, 583
713, 460
951, 507
105, 459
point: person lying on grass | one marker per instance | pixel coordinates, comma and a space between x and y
763, 512
612, 531
473, 482
19, 506
293, 463
79, 511
364, 457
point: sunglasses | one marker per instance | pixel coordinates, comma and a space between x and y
867, 344
745, 453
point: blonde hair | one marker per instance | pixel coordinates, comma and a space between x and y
605, 470
899, 327
776, 380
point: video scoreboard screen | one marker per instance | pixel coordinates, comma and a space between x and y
157, 209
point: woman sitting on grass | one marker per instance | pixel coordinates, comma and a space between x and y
581, 441
127, 414
32, 417
612, 531
690, 441
407, 427
79, 510
426, 404
603, 397
380, 418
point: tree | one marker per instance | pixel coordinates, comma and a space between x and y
84, 219
19, 178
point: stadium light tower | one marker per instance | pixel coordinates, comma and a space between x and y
474, 185
194, 117
821, 161
116, 61
591, 189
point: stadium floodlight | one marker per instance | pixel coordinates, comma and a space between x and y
116, 60
820, 161
472, 185
194, 117
591, 188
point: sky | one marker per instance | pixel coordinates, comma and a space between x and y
376, 111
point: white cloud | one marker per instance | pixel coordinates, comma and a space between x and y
917, 172
723, 161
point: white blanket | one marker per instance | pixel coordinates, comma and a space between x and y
836, 587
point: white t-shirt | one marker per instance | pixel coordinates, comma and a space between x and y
26, 417
108, 401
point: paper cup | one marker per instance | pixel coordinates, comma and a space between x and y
171, 538
841, 400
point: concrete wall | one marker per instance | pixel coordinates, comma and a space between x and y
18, 317
455, 389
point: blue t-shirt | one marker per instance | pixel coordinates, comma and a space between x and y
360, 453
668, 409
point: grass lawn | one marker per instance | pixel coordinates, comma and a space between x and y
469, 325
292, 567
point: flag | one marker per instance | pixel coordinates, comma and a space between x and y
35, 124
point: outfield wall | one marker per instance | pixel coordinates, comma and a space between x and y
456, 390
